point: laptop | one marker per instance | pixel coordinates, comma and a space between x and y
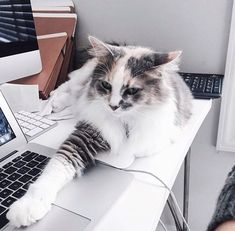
79, 205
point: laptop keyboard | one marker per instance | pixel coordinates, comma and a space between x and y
15, 178
32, 124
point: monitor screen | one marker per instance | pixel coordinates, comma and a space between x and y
6, 132
19, 51
17, 30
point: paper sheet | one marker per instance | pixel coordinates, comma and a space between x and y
21, 97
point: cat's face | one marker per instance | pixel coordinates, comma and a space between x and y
127, 78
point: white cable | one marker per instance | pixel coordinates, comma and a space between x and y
159, 179
178, 208
163, 226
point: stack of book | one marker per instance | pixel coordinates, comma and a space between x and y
55, 23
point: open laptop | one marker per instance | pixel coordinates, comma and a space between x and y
79, 206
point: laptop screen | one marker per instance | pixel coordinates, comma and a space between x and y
6, 132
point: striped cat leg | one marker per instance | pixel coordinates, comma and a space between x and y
75, 154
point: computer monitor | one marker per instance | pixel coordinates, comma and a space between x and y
19, 52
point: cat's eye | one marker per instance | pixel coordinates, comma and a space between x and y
106, 85
132, 91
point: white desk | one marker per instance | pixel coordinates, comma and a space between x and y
140, 207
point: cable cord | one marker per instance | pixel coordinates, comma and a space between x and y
156, 177
163, 226
171, 206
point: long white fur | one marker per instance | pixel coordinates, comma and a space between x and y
150, 131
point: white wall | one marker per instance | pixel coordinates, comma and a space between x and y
198, 27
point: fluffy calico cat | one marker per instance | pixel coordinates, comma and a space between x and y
128, 101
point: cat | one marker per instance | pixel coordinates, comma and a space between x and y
128, 100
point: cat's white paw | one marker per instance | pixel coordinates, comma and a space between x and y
27, 211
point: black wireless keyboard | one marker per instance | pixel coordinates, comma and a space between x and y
204, 86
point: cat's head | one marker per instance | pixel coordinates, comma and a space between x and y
128, 77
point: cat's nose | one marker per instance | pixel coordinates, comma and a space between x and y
114, 108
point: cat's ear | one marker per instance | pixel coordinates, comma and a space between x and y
174, 56
168, 60
100, 49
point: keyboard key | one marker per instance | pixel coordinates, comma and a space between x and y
17, 159
15, 185
7, 165
5, 193
3, 219
2, 209
8, 202
14, 176
35, 154
216, 90
31, 126
25, 119
40, 158
217, 82
19, 164
38, 123
23, 170
25, 178
20, 121
24, 113
19, 193
4, 183
3, 176
43, 164
25, 124
31, 115
26, 186
34, 131
25, 153
32, 121
10, 170
32, 164
31, 156
50, 122
208, 90
44, 126
38, 117
25, 130
35, 178
17, 115
34, 171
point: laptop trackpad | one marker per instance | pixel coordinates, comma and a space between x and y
59, 219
